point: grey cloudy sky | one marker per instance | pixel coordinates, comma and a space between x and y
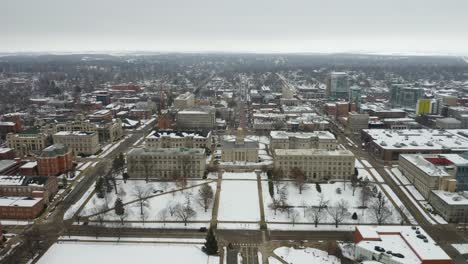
435, 26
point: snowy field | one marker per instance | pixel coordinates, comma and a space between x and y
239, 201
163, 195
124, 253
461, 248
306, 256
310, 197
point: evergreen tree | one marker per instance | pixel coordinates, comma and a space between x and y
125, 177
119, 207
211, 244
99, 187
64, 182
354, 217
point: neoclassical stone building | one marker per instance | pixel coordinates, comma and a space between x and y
239, 149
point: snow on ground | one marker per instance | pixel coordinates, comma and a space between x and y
461, 248
242, 175
132, 239
311, 227
363, 174
358, 164
155, 205
74, 207
124, 253
417, 195
439, 219
239, 201
239, 226
399, 203
306, 256
310, 197
394, 179
138, 141
366, 163
376, 175
418, 206
400, 176
272, 260
109, 150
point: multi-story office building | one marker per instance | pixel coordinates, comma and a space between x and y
81, 143
316, 164
356, 122
166, 163
27, 142
55, 160
338, 85
448, 172
302, 140
108, 131
183, 101
197, 118
404, 96
178, 139
452, 206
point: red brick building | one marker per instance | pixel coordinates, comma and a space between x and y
7, 154
26, 208
15, 186
55, 160
28, 169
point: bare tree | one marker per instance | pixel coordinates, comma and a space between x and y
144, 216
141, 194
323, 203
316, 214
300, 179
339, 211
205, 196
294, 215
163, 215
304, 208
184, 212
172, 209
380, 210
366, 194
276, 175
123, 216
275, 205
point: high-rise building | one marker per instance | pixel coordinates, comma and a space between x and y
404, 96
338, 85
355, 93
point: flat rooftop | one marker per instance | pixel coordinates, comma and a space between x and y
313, 152
21, 201
166, 151
403, 240
178, 134
304, 135
420, 139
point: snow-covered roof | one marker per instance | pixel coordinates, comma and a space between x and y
451, 198
178, 134
73, 133
29, 165
304, 135
420, 139
403, 240
20, 201
310, 152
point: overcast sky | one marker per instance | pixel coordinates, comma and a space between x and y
388, 26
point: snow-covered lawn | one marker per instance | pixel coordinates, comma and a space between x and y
461, 248
163, 199
306, 256
74, 208
310, 197
239, 201
363, 174
124, 253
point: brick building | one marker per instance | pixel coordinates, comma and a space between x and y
55, 160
